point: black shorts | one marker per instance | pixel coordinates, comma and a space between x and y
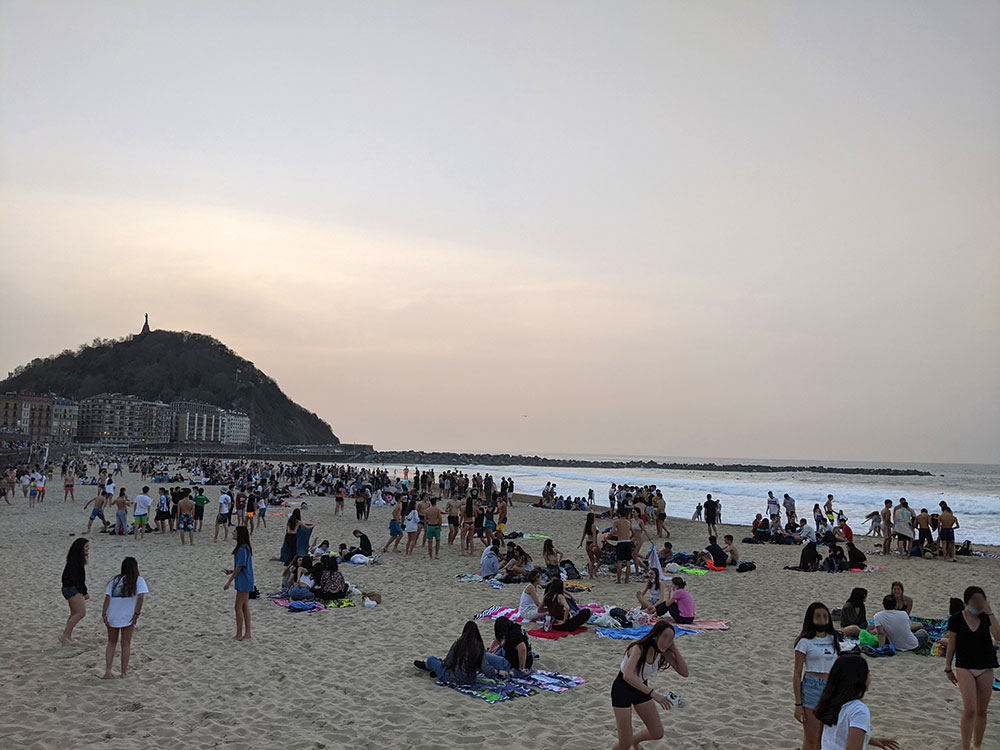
453, 520
222, 519
623, 551
624, 695
162, 515
199, 512
925, 536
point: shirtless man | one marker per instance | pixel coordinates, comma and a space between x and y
121, 511
886, 514
185, 518
433, 529
925, 539
454, 510
502, 508
660, 508
947, 523
395, 527
422, 505
622, 529
100, 501
731, 550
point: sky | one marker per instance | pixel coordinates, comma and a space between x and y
727, 229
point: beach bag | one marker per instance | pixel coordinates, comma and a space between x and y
373, 595
571, 572
745, 567
867, 639
620, 616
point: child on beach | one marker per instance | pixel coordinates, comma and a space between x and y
845, 720
242, 575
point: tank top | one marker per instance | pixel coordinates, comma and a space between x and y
526, 601
648, 670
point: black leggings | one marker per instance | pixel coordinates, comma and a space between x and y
580, 618
359, 508
674, 611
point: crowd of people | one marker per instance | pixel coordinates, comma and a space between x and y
829, 678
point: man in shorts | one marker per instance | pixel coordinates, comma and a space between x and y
947, 523
622, 529
200, 501
142, 502
433, 518
886, 514
922, 522
100, 500
185, 518
222, 520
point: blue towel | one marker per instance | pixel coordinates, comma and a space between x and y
632, 634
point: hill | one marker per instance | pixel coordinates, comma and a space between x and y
170, 365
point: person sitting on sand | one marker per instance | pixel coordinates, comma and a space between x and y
807, 534
844, 719
559, 613
853, 617
489, 562
552, 558
511, 644
331, 581
731, 550
679, 604
856, 559
893, 626
302, 585
654, 652
530, 606
651, 594
518, 563
666, 554
712, 552
903, 603
466, 658
809, 560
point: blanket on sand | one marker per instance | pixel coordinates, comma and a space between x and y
553, 634
497, 690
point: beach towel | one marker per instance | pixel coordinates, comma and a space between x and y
653, 561
337, 603
311, 606
553, 634
577, 586
497, 691
513, 614
868, 569
632, 634
996, 684
302, 540
470, 578
693, 571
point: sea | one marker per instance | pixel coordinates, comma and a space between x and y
972, 490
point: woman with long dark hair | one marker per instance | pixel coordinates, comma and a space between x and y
528, 607
559, 612
654, 652
853, 616
242, 575
651, 595
331, 581
816, 649
466, 658
845, 720
468, 524
510, 649
970, 644
590, 536
122, 607
552, 558
290, 542
74, 586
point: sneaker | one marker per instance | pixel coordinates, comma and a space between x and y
421, 665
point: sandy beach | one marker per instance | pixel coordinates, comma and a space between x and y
344, 678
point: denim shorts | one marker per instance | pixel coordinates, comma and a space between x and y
69, 592
812, 689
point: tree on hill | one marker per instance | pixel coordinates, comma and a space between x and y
168, 366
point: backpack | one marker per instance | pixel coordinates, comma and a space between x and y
965, 549
745, 567
620, 616
572, 573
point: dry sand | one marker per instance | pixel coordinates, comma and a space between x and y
344, 678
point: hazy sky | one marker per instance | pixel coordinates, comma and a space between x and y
765, 229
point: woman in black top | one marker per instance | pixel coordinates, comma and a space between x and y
74, 585
975, 659
853, 617
512, 644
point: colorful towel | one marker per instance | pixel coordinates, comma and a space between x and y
470, 578
868, 569
553, 634
577, 586
497, 691
692, 571
287, 603
632, 634
337, 603
493, 613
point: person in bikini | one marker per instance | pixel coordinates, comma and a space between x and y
453, 509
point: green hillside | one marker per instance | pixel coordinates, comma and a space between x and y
169, 365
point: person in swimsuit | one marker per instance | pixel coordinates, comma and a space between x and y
469, 513
947, 523
622, 530
100, 500
453, 509
185, 518
433, 518
395, 528
590, 536
650, 596
654, 652
970, 645
886, 514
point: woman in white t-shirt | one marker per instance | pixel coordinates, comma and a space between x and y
412, 527
846, 721
816, 649
122, 607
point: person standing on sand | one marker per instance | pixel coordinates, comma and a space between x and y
711, 514
654, 652
200, 501
947, 523
141, 516
121, 512
69, 482
886, 515
100, 501
970, 644
395, 528
222, 520
74, 586
902, 523
453, 509
185, 518
122, 607
412, 527
242, 576
816, 650
789, 502
433, 518
622, 530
